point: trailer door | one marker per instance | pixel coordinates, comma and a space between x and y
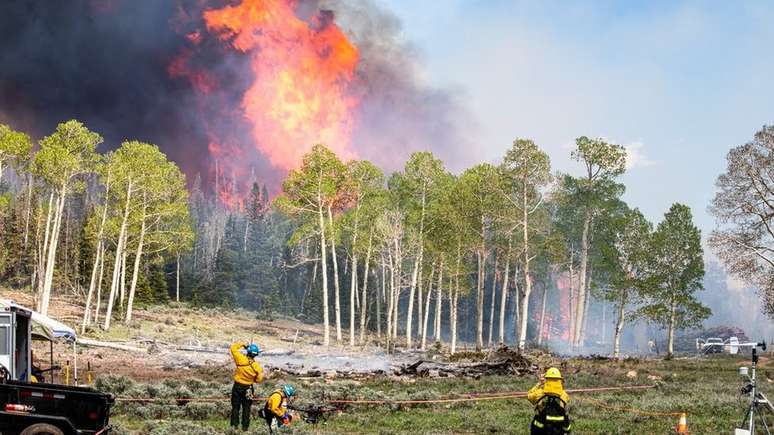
6, 341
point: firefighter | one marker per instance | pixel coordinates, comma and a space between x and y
550, 401
247, 373
275, 412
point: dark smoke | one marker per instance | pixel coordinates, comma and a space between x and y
107, 63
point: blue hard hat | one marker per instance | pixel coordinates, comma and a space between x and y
289, 390
253, 350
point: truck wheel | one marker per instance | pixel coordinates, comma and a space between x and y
42, 429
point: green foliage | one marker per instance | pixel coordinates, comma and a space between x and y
677, 271
66, 153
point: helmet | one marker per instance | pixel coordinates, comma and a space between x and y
553, 373
289, 390
253, 350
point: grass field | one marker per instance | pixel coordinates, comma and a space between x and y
707, 390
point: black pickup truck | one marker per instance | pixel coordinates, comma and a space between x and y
28, 407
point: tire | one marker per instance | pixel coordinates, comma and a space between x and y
42, 429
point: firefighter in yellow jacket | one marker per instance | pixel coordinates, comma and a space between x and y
275, 412
550, 401
247, 373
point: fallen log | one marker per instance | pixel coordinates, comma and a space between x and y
94, 343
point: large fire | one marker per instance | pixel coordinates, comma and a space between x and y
303, 73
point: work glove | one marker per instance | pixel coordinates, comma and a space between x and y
286, 419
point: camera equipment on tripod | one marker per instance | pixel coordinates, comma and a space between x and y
759, 405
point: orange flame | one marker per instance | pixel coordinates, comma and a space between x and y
303, 71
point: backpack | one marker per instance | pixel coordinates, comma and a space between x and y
552, 418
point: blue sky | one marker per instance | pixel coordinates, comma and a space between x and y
678, 83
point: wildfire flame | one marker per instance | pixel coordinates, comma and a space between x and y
303, 74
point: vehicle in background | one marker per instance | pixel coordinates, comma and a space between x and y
28, 407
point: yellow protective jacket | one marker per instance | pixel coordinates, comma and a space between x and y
248, 372
277, 403
553, 387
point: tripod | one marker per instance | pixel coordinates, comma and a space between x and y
759, 404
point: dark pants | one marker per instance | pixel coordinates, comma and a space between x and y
239, 399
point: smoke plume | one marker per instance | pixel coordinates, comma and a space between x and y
231, 90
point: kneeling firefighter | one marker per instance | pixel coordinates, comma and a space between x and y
247, 373
275, 412
550, 401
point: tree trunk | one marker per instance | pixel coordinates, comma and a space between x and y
92, 284
97, 306
541, 331
504, 296
177, 278
492, 303
390, 299
454, 292
122, 278
588, 303
412, 290
336, 290
481, 257
27, 211
516, 309
397, 288
426, 311
324, 270
438, 302
619, 326
117, 260
571, 301
581, 304
352, 293
244, 239
51, 252
380, 297
136, 271
364, 298
671, 330
527, 277
97, 257
42, 249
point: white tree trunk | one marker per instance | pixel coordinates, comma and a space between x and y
42, 249
117, 260
352, 293
324, 271
541, 330
135, 271
97, 257
92, 285
379, 299
504, 296
364, 298
619, 326
581, 304
492, 303
390, 298
51, 252
177, 278
438, 302
671, 330
97, 306
27, 211
426, 311
336, 290
412, 289
516, 309
454, 292
480, 300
